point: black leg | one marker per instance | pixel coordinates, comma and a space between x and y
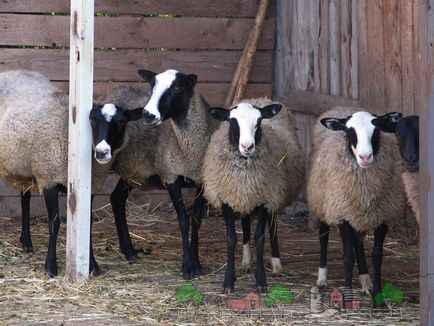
261, 282
365, 280
199, 204
230, 277
347, 236
276, 264
377, 257
246, 221
184, 225
93, 266
118, 199
25, 238
324, 230
51, 197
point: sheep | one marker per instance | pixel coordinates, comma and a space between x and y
354, 183
252, 168
169, 156
34, 146
407, 133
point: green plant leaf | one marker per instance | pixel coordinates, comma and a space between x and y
392, 293
188, 292
278, 294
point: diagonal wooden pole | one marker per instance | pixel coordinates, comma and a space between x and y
80, 139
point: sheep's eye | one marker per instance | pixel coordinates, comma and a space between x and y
92, 121
176, 87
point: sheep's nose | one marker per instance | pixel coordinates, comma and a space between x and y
247, 147
411, 157
100, 154
365, 158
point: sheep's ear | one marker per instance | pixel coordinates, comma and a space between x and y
334, 123
270, 111
134, 115
392, 116
384, 125
147, 75
220, 113
191, 80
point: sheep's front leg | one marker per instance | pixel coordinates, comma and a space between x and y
51, 197
230, 277
324, 230
365, 280
118, 200
184, 225
25, 238
261, 282
199, 204
93, 266
377, 257
347, 236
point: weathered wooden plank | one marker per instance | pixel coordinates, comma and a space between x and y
335, 47
80, 140
431, 35
354, 51
314, 103
392, 55
407, 58
376, 81
322, 55
136, 32
363, 54
216, 66
203, 8
346, 41
312, 45
214, 93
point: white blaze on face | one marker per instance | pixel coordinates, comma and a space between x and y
247, 117
108, 111
163, 81
104, 149
361, 122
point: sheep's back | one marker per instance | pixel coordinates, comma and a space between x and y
339, 189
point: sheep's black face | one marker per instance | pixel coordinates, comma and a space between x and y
108, 124
171, 93
407, 133
362, 136
245, 124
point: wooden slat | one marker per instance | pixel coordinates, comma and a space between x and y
363, 58
314, 103
335, 47
431, 35
214, 93
216, 66
407, 58
376, 79
354, 51
312, 46
323, 48
203, 8
136, 32
346, 41
392, 55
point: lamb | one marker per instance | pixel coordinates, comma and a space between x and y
407, 133
354, 183
34, 146
252, 168
169, 156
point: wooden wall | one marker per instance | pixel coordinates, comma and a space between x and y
203, 37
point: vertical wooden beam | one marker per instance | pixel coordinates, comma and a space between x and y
425, 94
407, 58
363, 56
323, 48
335, 47
80, 153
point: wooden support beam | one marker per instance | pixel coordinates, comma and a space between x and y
80, 154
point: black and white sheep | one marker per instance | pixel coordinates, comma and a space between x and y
407, 133
354, 182
34, 146
252, 167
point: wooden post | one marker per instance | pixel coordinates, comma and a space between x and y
80, 139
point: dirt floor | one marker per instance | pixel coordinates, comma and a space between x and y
144, 293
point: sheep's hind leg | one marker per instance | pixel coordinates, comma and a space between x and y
184, 225
377, 257
324, 230
93, 265
276, 263
246, 222
51, 197
261, 281
199, 204
347, 236
118, 200
25, 238
230, 276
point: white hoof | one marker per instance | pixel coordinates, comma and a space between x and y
365, 283
322, 277
247, 258
276, 264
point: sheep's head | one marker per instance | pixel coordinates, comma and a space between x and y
362, 136
245, 124
171, 93
108, 123
407, 133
